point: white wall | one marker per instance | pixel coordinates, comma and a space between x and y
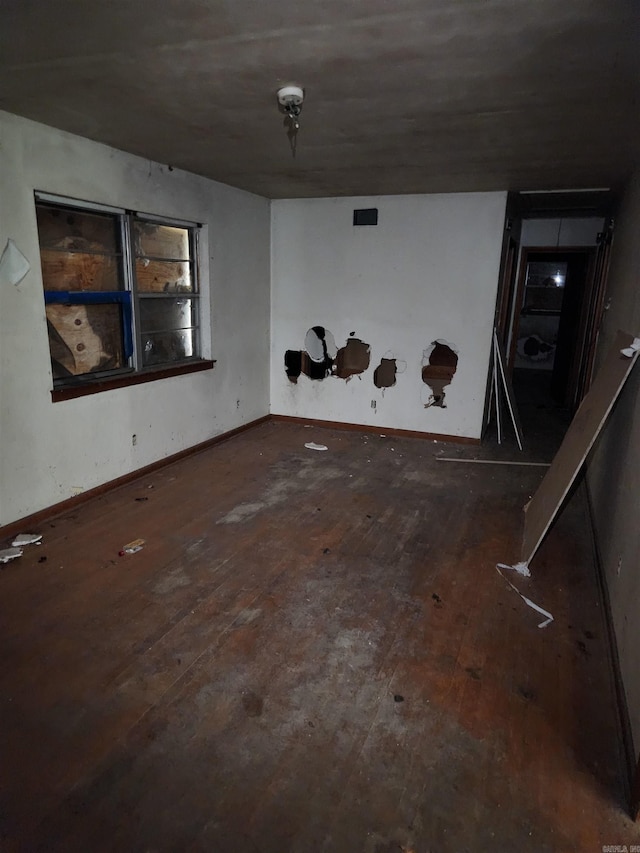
427, 271
47, 450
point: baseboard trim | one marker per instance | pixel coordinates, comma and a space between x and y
632, 777
375, 428
37, 518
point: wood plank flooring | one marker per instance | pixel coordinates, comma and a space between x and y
313, 652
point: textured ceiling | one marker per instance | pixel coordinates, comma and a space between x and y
401, 95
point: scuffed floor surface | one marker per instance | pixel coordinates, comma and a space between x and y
313, 652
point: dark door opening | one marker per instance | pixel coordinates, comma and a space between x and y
553, 295
550, 332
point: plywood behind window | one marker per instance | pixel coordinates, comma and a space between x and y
76, 231
78, 271
163, 276
84, 338
161, 241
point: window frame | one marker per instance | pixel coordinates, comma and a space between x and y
133, 372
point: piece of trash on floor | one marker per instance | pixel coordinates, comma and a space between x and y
8, 554
311, 445
398, 697
493, 461
542, 611
520, 568
532, 604
132, 547
631, 350
27, 539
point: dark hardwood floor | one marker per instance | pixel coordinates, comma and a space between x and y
312, 652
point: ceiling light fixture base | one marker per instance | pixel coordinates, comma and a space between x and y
291, 96
290, 100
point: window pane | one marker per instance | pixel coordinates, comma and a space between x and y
546, 274
544, 287
88, 252
84, 338
74, 231
160, 241
163, 276
77, 271
162, 314
166, 347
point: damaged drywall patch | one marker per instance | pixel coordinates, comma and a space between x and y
293, 364
320, 344
316, 369
321, 357
316, 359
384, 376
319, 353
439, 364
352, 359
533, 348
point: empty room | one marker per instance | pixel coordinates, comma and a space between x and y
319, 426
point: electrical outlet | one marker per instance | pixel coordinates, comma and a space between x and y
373, 404
237, 404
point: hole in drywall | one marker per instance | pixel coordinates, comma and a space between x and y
352, 359
384, 376
386, 373
533, 348
321, 357
320, 344
316, 359
320, 351
293, 364
316, 369
439, 363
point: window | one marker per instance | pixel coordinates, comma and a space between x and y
121, 294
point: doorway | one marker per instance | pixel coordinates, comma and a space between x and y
549, 323
550, 301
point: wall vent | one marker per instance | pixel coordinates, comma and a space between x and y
365, 216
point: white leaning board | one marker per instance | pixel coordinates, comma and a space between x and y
581, 435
